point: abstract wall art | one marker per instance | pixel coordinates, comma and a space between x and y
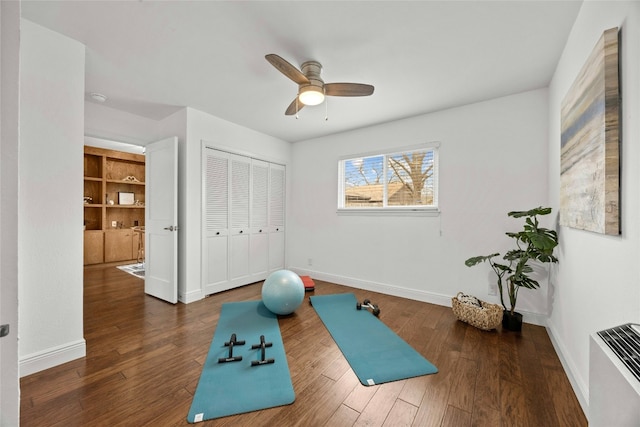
590, 143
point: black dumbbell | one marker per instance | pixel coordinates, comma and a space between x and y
367, 304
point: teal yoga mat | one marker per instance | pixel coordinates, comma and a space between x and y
237, 387
374, 352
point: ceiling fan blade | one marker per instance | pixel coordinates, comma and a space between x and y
294, 107
347, 89
287, 69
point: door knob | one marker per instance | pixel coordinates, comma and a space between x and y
171, 228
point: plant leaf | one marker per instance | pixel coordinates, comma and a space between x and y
478, 259
532, 212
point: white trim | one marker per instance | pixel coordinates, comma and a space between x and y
51, 357
398, 291
191, 296
413, 211
113, 145
532, 318
206, 144
580, 389
383, 288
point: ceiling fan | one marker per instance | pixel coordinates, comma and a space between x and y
311, 88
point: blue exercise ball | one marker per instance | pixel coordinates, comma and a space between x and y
283, 292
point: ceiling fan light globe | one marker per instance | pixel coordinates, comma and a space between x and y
311, 96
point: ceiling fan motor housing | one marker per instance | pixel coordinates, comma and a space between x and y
312, 70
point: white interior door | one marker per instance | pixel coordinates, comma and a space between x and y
277, 184
259, 243
161, 220
215, 245
240, 231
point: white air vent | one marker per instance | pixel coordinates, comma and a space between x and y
614, 377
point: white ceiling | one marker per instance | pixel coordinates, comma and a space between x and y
151, 58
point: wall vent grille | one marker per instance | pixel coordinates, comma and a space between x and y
624, 341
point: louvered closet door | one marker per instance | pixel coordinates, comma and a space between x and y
259, 244
239, 218
216, 166
276, 216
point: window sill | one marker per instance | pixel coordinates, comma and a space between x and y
390, 212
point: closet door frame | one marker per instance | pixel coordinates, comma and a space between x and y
255, 236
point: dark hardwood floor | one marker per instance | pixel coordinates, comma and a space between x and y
144, 358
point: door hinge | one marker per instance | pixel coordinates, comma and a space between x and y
4, 330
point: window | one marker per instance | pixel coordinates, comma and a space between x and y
406, 180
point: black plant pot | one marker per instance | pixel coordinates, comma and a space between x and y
511, 322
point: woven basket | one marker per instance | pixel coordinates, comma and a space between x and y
487, 317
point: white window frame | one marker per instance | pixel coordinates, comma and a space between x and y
432, 210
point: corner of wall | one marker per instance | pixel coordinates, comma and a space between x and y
579, 387
48, 358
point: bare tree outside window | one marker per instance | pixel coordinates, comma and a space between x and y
364, 186
393, 180
413, 172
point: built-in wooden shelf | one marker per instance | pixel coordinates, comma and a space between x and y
107, 173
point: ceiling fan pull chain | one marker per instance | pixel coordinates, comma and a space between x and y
326, 109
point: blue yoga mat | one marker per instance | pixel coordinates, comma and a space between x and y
236, 387
374, 352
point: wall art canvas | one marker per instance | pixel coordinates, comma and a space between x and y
590, 150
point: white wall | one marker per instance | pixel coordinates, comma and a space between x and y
493, 159
50, 190
116, 125
596, 285
9, 142
223, 134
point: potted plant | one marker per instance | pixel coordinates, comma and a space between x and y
532, 243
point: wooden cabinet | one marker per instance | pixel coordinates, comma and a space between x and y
120, 245
93, 247
114, 200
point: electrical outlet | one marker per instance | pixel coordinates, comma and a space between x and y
114, 224
309, 262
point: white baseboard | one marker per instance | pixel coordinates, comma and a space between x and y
579, 387
190, 297
382, 288
534, 318
51, 357
430, 297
